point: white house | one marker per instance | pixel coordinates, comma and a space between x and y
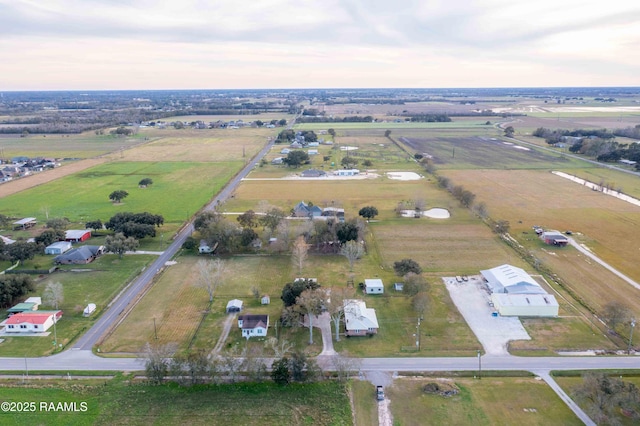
358, 319
31, 322
253, 325
346, 172
373, 286
58, 247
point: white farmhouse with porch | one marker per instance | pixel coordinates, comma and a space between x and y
253, 325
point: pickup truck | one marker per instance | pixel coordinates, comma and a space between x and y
379, 393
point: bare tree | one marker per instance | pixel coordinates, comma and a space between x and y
346, 367
156, 361
299, 253
335, 306
280, 347
353, 251
53, 294
420, 303
604, 396
615, 313
310, 303
210, 275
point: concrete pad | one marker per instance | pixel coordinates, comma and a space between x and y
472, 300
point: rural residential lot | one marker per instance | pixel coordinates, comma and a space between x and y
403, 166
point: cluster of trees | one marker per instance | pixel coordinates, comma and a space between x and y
123, 131
324, 119
414, 284
136, 225
14, 286
430, 118
605, 397
555, 136
296, 158
463, 195
227, 236
299, 368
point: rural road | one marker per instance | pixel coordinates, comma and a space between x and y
121, 304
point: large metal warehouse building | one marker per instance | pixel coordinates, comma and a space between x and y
516, 293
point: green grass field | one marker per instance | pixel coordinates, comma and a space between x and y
178, 191
98, 283
122, 403
84, 145
488, 401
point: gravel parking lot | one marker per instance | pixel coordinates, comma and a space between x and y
473, 301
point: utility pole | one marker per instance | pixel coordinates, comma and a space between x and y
155, 331
633, 324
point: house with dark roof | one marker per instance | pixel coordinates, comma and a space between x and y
554, 238
313, 173
253, 325
79, 256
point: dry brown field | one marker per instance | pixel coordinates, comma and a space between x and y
605, 224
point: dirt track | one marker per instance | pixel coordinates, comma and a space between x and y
27, 182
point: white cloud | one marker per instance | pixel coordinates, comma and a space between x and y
305, 43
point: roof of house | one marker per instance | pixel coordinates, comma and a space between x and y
254, 321
21, 307
554, 236
511, 279
357, 316
35, 317
59, 244
373, 282
517, 300
75, 233
313, 173
81, 253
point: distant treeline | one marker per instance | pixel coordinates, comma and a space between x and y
430, 118
323, 119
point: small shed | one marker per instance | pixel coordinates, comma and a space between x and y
234, 305
398, 286
373, 286
91, 308
265, 300
77, 235
25, 223
58, 248
22, 307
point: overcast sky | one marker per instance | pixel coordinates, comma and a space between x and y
225, 44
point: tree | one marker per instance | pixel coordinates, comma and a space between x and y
53, 295
21, 251
14, 286
118, 195
224, 233
509, 131
156, 364
280, 371
404, 266
272, 219
414, 284
178, 125
481, 210
210, 275
347, 231
387, 133
49, 236
299, 253
502, 227
137, 225
145, 182
310, 303
296, 158
248, 236
605, 396
248, 219
291, 291
282, 122
353, 251
368, 212
332, 132
119, 244
367, 163
94, 224
302, 368
420, 303
58, 223
335, 306
467, 197
348, 162
615, 313
345, 367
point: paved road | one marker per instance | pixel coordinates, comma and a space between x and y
121, 304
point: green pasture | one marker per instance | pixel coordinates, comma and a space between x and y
178, 191
391, 125
123, 402
98, 283
489, 401
83, 145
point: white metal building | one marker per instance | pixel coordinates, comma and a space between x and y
373, 286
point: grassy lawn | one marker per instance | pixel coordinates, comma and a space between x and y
488, 401
117, 402
176, 193
101, 281
365, 405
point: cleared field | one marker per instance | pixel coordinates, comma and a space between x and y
98, 284
83, 145
265, 117
489, 401
119, 402
215, 145
390, 125
604, 223
176, 192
